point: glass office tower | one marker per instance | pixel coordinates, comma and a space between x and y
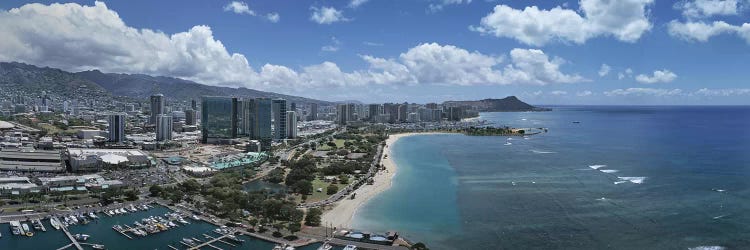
218, 118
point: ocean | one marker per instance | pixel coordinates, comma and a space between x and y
603, 177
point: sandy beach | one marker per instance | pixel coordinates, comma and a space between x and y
342, 213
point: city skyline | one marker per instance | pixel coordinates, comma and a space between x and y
557, 52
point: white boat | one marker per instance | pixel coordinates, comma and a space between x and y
15, 227
350, 247
55, 223
325, 246
82, 237
92, 215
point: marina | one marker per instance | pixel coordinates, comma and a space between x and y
70, 231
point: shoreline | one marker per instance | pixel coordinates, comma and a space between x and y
343, 211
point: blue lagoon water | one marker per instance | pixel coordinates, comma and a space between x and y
618, 178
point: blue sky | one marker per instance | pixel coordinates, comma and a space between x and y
546, 52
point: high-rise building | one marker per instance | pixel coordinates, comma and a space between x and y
163, 128
351, 111
402, 112
157, 107
313, 111
392, 111
373, 111
341, 114
191, 117
194, 104
262, 123
218, 118
431, 106
293, 107
246, 117
116, 128
279, 119
291, 124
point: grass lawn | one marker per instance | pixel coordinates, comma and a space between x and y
339, 144
318, 196
51, 129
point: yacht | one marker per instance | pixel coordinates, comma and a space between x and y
55, 223
325, 246
350, 247
97, 246
81, 237
15, 227
92, 215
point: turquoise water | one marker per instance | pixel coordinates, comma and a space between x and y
675, 178
102, 233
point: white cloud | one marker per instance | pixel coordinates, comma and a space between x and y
74, 37
657, 77
558, 92
707, 8
435, 7
625, 20
273, 17
333, 47
372, 44
327, 15
239, 7
722, 92
357, 3
643, 92
584, 93
604, 70
701, 31
628, 73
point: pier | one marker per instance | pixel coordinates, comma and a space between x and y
213, 240
72, 239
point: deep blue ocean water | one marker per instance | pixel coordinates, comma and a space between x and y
673, 178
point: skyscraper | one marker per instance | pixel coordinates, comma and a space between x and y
313, 111
341, 114
245, 118
279, 119
191, 117
194, 104
157, 107
163, 128
374, 111
262, 123
291, 124
402, 112
218, 118
116, 128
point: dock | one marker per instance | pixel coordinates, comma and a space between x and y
213, 240
72, 239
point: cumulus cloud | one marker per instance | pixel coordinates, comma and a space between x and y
440, 4
584, 93
604, 70
707, 8
327, 15
702, 31
558, 92
696, 29
75, 38
628, 73
626, 20
239, 8
659, 76
643, 92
